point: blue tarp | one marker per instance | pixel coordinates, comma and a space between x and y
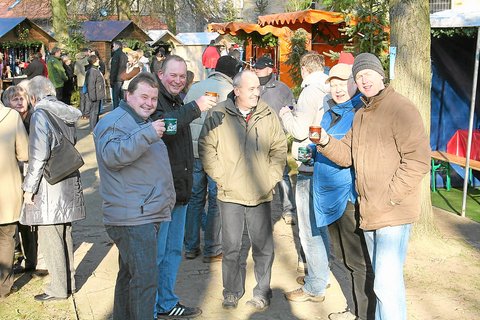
103, 30
7, 24
452, 77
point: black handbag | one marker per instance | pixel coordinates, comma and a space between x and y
65, 160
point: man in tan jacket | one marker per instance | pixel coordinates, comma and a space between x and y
390, 152
243, 148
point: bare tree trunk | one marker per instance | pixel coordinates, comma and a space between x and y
170, 16
59, 18
123, 10
410, 33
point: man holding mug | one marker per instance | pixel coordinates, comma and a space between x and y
308, 112
172, 79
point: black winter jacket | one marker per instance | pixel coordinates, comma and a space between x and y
179, 145
118, 64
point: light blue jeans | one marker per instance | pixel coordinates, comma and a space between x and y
387, 248
169, 256
314, 240
213, 226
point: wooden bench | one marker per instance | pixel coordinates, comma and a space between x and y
441, 162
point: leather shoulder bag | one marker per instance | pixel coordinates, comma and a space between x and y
65, 160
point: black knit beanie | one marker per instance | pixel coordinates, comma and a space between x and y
227, 65
367, 61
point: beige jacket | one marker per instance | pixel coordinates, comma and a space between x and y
390, 152
13, 148
246, 159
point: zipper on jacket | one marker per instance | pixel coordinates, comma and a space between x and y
148, 197
256, 137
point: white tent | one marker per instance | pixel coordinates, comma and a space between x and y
463, 19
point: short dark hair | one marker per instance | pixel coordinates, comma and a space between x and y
118, 43
142, 77
55, 50
92, 59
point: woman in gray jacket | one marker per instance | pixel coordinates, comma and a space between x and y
52, 208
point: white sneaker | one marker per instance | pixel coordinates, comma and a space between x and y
344, 315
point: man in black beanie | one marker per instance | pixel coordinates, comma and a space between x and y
220, 82
390, 152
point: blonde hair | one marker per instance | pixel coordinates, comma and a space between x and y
12, 92
134, 55
313, 61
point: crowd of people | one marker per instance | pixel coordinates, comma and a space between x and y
175, 158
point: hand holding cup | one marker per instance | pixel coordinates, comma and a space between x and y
314, 134
159, 127
207, 102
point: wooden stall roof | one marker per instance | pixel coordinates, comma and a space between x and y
234, 27
111, 30
309, 16
8, 24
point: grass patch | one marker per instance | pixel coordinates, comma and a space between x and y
452, 201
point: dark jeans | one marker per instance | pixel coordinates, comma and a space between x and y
203, 184
29, 245
137, 275
117, 93
350, 249
83, 103
7, 245
94, 112
258, 221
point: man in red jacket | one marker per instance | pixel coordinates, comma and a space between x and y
210, 57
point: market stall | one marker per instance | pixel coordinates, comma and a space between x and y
19, 40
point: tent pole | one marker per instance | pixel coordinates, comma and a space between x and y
470, 126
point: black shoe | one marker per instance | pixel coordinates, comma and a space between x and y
180, 312
230, 302
212, 259
39, 273
192, 254
45, 297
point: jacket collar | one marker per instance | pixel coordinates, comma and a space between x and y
260, 110
375, 101
125, 106
317, 77
4, 111
220, 76
169, 97
63, 111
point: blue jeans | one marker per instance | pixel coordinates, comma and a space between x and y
387, 248
314, 240
117, 94
169, 256
286, 193
213, 227
137, 279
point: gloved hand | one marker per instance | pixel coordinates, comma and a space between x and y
324, 138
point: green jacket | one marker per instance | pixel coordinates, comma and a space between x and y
56, 72
246, 159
